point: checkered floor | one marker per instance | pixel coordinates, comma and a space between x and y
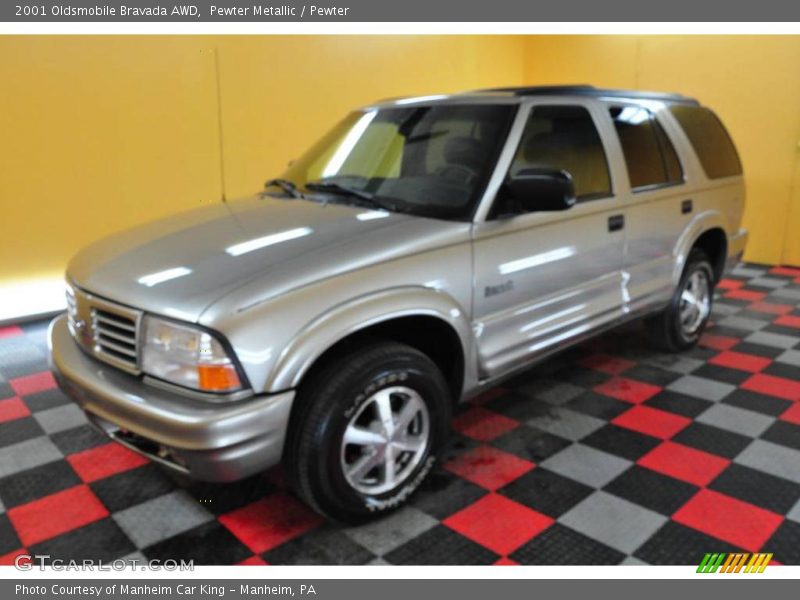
610, 453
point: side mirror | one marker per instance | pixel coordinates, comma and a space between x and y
534, 190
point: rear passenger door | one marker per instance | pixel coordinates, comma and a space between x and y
543, 279
657, 207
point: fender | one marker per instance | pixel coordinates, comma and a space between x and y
701, 223
362, 312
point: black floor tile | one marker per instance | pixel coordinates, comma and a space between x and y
723, 374
78, 439
621, 441
757, 349
530, 443
783, 433
546, 492
756, 487
207, 544
99, 541
322, 546
713, 439
680, 404
441, 546
652, 490
761, 403
675, 544
652, 375
19, 430
133, 487
598, 405
31, 484
443, 494
8, 536
560, 545
785, 543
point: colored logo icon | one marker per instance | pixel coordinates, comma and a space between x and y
734, 563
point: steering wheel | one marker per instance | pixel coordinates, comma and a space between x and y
458, 173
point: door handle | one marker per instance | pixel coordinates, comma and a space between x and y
686, 207
616, 222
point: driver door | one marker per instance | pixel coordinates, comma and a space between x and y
543, 279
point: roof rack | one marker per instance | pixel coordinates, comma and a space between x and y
590, 90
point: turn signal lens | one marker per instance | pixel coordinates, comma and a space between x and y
217, 378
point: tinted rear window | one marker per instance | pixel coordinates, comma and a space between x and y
711, 141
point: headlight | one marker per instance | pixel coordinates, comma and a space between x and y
187, 356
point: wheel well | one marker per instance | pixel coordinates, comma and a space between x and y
430, 335
714, 243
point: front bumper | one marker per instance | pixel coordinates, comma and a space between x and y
213, 442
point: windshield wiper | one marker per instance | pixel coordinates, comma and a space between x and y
338, 188
285, 185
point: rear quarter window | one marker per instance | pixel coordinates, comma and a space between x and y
710, 139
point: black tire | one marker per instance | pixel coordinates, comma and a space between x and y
666, 329
315, 461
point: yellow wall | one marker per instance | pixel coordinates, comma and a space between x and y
752, 82
100, 133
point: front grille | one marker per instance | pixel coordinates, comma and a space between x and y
105, 329
115, 336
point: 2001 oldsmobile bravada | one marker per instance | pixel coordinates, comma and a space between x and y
421, 251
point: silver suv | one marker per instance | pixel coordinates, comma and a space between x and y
420, 252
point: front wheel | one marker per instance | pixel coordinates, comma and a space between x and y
681, 324
367, 430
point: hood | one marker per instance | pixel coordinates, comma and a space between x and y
180, 265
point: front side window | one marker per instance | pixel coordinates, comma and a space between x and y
649, 155
431, 161
564, 137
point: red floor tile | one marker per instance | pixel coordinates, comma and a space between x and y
718, 342
652, 421
627, 390
730, 284
739, 523
740, 361
788, 321
792, 414
488, 467
750, 295
499, 524
103, 461
613, 365
771, 308
483, 425
787, 271
30, 384
506, 562
56, 514
771, 385
7, 560
10, 331
12, 408
684, 463
253, 561
271, 521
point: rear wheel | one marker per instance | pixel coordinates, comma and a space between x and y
367, 430
681, 324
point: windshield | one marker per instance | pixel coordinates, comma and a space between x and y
431, 161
